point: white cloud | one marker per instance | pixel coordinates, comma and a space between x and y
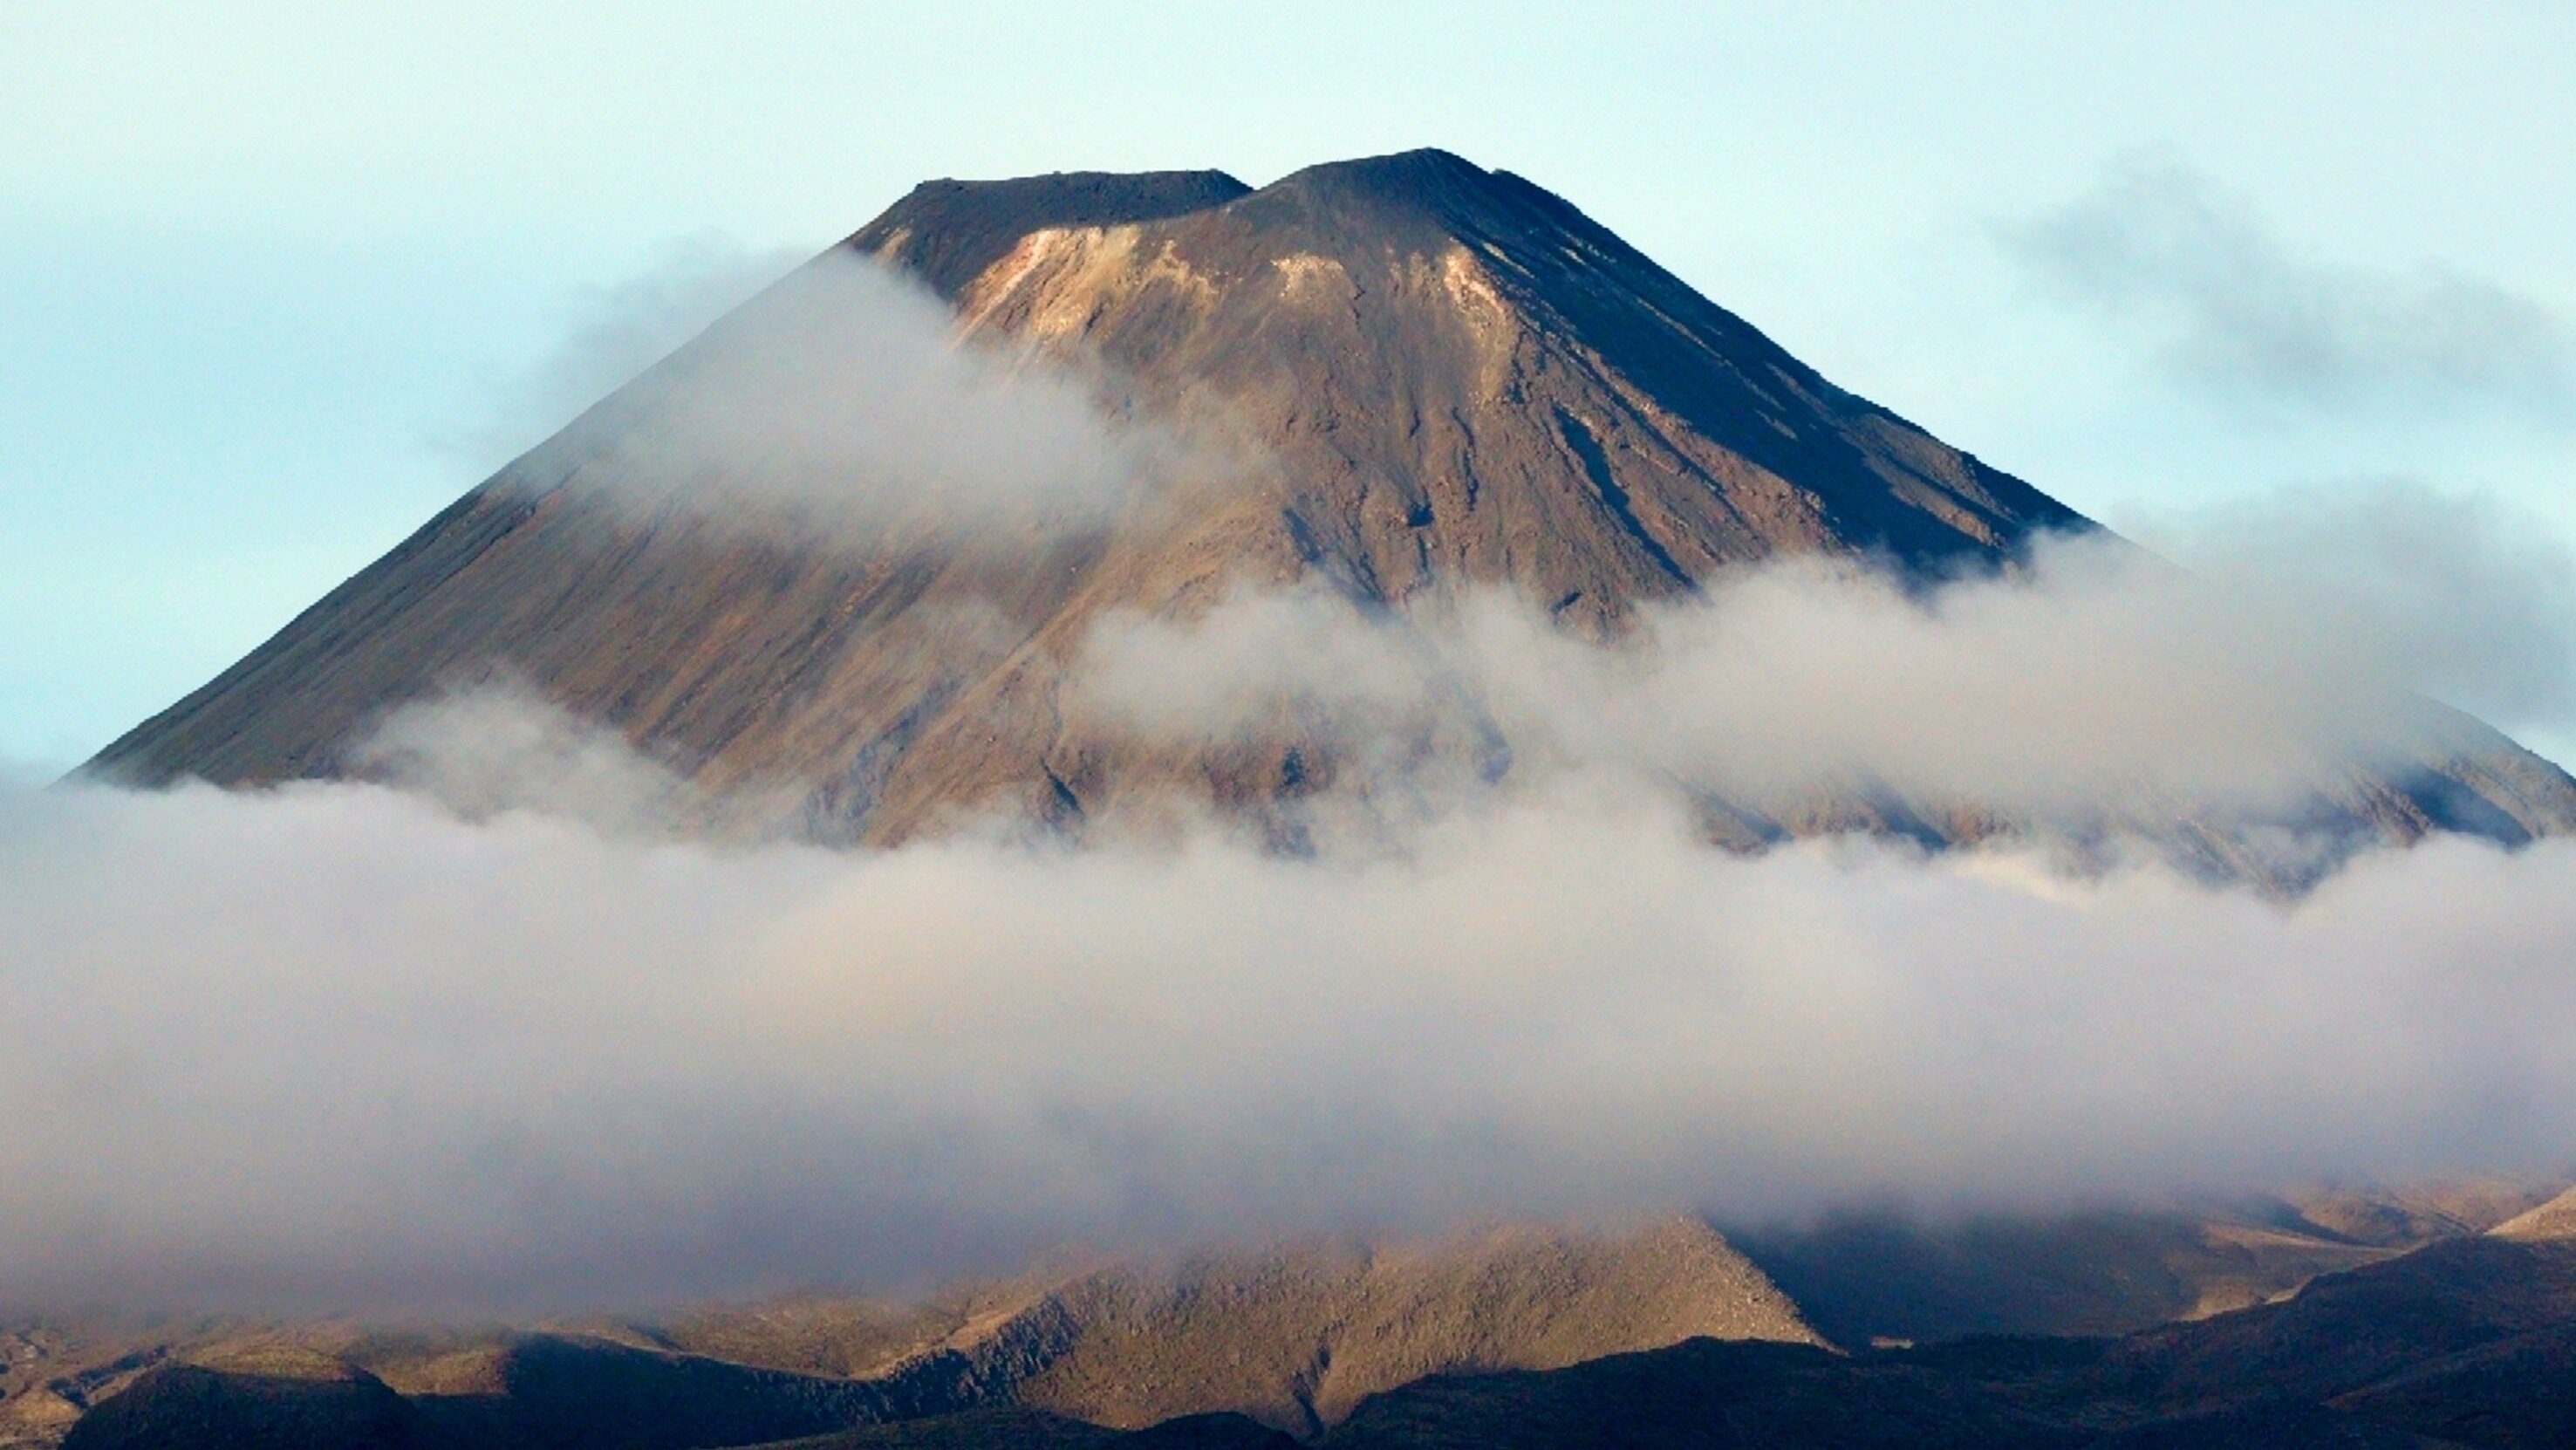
613, 333
501, 1038
2230, 306
2466, 599
841, 398
2095, 682
335, 1045
508, 1034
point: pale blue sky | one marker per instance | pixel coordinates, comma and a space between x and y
256, 262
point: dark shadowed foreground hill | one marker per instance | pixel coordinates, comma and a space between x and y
1396, 379
2468, 1342
1293, 1337
1296, 1337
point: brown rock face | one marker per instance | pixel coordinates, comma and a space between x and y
1450, 377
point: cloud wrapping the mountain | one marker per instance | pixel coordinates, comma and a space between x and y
611, 333
842, 398
2468, 600
2095, 678
337, 1045
2235, 308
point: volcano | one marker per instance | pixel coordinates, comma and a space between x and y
1453, 379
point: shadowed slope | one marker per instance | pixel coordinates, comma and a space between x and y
1877, 1276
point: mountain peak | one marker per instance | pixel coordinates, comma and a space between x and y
947, 231
1424, 176
1416, 197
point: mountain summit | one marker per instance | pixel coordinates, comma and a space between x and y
1467, 378
1450, 378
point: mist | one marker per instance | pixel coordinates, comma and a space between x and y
611, 333
506, 1029
2092, 682
842, 401
510, 1029
2468, 600
2227, 304
338, 1046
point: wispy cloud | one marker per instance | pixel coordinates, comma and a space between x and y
2094, 682
2468, 599
615, 331
836, 399
2228, 305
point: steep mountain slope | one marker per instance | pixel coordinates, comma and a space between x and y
1410, 376
1465, 377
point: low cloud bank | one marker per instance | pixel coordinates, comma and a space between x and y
339, 1046
503, 1034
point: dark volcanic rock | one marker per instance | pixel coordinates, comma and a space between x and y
2346, 1332
947, 232
548, 1391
